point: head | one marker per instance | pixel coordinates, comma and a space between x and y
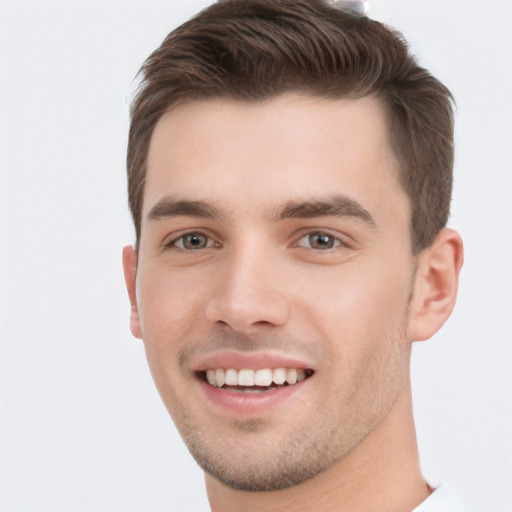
257, 50
289, 172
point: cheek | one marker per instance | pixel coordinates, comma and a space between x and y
361, 315
168, 313
168, 306
364, 322
360, 294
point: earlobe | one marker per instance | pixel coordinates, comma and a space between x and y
130, 275
436, 284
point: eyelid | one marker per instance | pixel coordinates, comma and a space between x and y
171, 240
340, 241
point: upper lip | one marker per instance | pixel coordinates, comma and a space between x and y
248, 360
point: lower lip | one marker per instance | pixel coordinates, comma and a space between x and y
251, 403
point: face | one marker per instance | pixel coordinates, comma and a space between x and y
273, 281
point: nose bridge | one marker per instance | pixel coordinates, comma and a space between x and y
248, 292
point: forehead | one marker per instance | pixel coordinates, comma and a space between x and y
256, 154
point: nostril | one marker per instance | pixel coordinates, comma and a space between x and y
262, 323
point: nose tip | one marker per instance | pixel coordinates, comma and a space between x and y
246, 301
244, 317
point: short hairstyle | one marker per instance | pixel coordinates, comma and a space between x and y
254, 50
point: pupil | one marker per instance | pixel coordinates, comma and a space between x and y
322, 241
195, 241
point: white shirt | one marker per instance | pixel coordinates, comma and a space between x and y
443, 499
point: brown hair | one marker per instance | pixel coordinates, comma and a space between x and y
252, 50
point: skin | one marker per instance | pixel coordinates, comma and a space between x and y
261, 284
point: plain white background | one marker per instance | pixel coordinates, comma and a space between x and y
82, 427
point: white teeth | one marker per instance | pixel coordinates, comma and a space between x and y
291, 376
231, 377
264, 377
220, 377
246, 378
279, 376
210, 377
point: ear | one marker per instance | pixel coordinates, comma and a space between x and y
130, 275
436, 284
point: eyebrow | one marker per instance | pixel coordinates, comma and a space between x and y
333, 206
169, 207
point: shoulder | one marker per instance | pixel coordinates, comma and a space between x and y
443, 499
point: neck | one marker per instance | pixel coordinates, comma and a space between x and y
381, 473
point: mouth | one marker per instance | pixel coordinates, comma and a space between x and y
253, 380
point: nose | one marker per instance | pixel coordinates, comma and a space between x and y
249, 294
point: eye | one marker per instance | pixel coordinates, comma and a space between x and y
319, 240
191, 242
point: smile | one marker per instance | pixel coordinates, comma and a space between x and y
250, 380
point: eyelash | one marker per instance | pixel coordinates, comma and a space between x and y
333, 242
336, 242
173, 244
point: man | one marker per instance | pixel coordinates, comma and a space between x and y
289, 175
